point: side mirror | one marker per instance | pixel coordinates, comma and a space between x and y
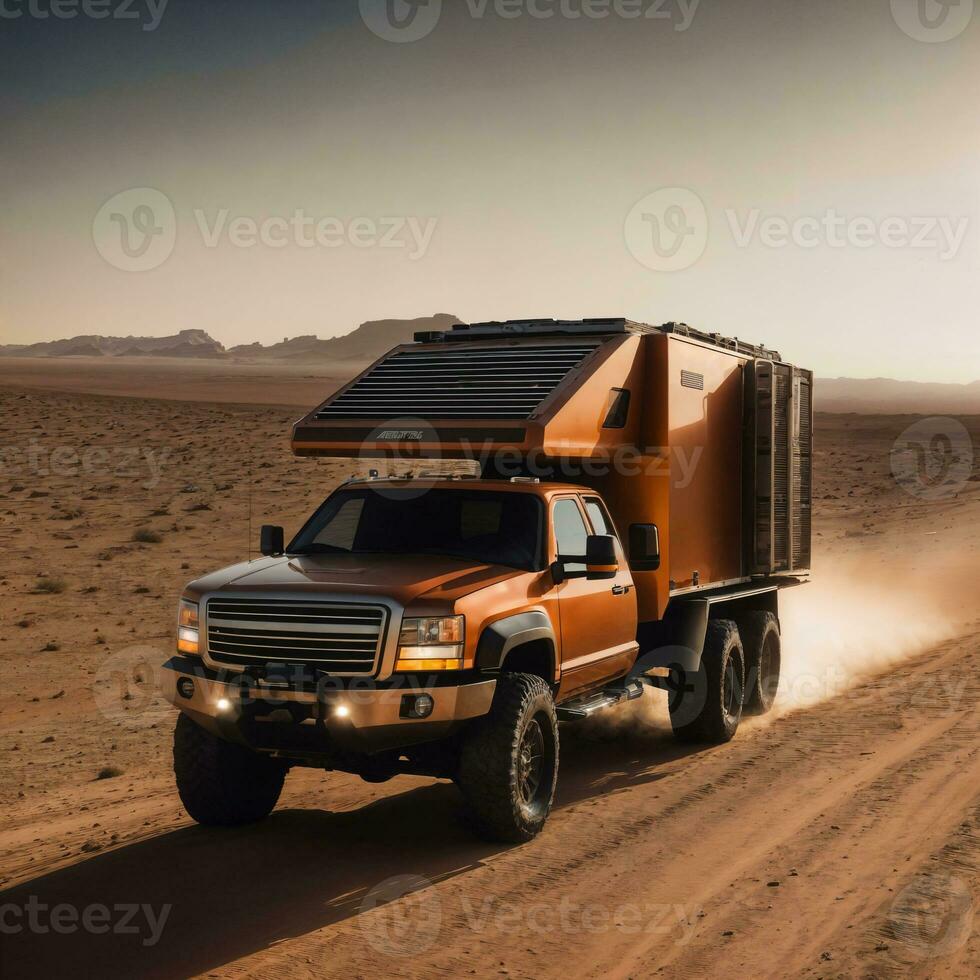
273, 540
645, 547
600, 557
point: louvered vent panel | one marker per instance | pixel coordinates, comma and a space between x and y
781, 474
499, 383
803, 479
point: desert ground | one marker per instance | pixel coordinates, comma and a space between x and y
838, 837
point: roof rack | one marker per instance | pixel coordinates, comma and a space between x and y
605, 326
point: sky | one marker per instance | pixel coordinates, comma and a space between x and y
806, 175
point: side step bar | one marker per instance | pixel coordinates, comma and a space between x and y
593, 703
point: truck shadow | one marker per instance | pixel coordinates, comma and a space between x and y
236, 892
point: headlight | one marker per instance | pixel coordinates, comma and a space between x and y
188, 628
431, 644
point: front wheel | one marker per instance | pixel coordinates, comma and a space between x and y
508, 766
706, 706
222, 784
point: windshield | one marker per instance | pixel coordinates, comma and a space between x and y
476, 525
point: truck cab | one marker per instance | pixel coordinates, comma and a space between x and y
420, 583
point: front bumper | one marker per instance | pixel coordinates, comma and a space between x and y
362, 717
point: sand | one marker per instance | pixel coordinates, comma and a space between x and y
838, 837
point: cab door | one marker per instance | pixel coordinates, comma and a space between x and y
598, 617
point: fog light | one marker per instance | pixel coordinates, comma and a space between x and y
185, 688
341, 711
417, 705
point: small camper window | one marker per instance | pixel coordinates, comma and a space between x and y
618, 410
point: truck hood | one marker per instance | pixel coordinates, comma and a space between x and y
403, 578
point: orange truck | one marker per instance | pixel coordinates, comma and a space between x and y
603, 506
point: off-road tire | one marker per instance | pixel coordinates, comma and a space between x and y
494, 761
222, 784
706, 706
760, 639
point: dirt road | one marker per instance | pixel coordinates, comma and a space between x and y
841, 838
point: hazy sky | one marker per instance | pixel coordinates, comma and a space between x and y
818, 163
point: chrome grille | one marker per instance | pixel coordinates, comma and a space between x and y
335, 637
482, 382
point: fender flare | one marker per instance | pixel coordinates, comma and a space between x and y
499, 638
680, 637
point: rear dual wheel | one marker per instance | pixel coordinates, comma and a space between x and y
706, 704
763, 658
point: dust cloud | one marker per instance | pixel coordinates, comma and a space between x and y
855, 619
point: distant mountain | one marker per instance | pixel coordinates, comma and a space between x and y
368, 342
865, 396
188, 343
883, 396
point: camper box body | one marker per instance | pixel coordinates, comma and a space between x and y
708, 439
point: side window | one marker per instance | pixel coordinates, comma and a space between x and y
570, 533
599, 516
341, 531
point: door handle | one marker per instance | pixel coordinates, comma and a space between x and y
621, 590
